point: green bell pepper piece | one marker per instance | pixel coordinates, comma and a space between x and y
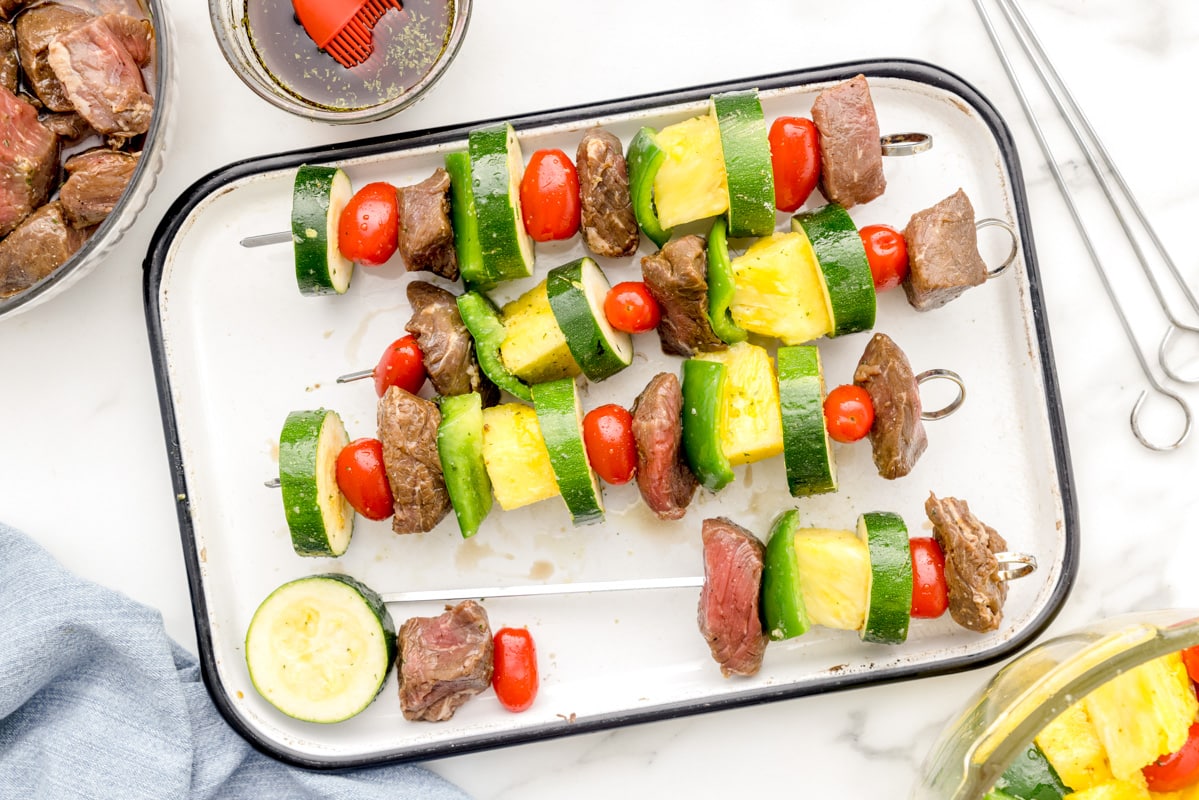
643, 160
460, 449
482, 319
721, 286
783, 607
703, 391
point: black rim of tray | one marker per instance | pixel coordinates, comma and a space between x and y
916, 71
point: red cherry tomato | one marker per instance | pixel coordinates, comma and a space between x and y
608, 437
848, 413
795, 157
1190, 657
887, 252
514, 668
368, 227
362, 478
1177, 770
403, 365
631, 308
549, 196
930, 593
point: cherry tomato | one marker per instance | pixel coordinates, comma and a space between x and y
608, 437
930, 593
848, 413
1177, 770
887, 253
795, 157
549, 196
514, 668
1190, 657
403, 365
362, 478
631, 308
368, 227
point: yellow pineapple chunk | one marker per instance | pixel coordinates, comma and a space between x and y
534, 348
691, 183
1144, 713
515, 455
834, 570
751, 420
1113, 790
778, 289
1072, 746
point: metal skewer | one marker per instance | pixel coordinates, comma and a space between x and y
1093, 150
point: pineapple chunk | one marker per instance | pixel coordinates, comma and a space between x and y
751, 420
1113, 790
691, 183
778, 289
1072, 746
1143, 713
834, 571
534, 347
515, 455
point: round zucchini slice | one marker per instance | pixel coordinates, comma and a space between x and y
807, 451
496, 167
746, 148
560, 415
889, 598
848, 282
318, 198
576, 292
319, 516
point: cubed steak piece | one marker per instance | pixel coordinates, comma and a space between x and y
39, 245
608, 223
976, 590
728, 602
99, 65
851, 152
96, 180
10, 63
665, 481
677, 278
36, 28
897, 436
9, 8
446, 344
28, 161
408, 430
943, 258
444, 661
68, 126
426, 237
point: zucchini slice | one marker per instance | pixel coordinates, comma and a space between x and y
807, 450
464, 220
318, 198
560, 415
496, 167
460, 449
889, 597
320, 518
482, 319
747, 164
848, 282
783, 608
576, 292
319, 648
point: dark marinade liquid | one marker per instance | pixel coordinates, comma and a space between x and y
407, 44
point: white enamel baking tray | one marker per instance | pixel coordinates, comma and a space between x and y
236, 347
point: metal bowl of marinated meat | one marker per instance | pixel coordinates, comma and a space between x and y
1096, 712
412, 45
84, 95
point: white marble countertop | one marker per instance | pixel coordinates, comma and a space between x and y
84, 468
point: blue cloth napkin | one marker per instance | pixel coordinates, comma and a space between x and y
96, 701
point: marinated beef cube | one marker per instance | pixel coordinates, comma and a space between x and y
608, 224
976, 591
897, 436
408, 430
444, 661
851, 153
96, 180
728, 602
10, 64
9, 8
99, 65
677, 278
68, 126
39, 245
28, 161
446, 344
426, 237
36, 28
663, 477
943, 258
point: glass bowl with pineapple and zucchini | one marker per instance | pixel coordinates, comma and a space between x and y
1107, 712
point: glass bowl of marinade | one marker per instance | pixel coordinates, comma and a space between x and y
268, 48
1107, 712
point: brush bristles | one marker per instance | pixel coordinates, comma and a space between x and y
354, 43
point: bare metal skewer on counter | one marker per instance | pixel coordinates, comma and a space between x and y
1094, 149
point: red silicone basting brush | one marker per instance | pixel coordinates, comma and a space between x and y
343, 28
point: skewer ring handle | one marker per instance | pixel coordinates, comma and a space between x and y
1015, 565
994, 222
955, 404
905, 144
